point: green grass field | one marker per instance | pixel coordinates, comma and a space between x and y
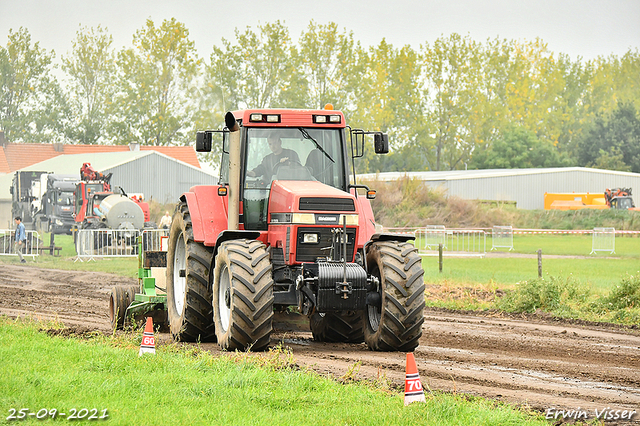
599, 274
190, 386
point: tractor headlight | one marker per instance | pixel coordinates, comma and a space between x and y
310, 238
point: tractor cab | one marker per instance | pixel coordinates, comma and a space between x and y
83, 197
622, 203
291, 154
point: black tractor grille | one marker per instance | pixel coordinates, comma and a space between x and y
327, 204
309, 252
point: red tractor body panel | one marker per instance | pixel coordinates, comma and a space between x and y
289, 117
208, 213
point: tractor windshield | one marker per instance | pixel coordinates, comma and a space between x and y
295, 154
288, 154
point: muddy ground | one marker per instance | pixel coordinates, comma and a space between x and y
535, 361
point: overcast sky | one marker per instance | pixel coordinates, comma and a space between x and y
586, 28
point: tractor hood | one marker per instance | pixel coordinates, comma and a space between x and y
309, 197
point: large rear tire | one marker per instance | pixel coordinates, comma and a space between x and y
243, 295
188, 291
347, 327
397, 324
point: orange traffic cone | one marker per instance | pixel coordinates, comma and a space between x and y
148, 344
412, 386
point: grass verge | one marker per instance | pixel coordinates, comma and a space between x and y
560, 297
190, 386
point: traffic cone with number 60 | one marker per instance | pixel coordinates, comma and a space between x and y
412, 386
148, 344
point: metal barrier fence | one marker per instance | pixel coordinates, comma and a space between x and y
31, 248
434, 236
604, 239
456, 242
502, 237
116, 242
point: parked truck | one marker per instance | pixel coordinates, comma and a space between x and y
56, 212
288, 227
26, 196
617, 198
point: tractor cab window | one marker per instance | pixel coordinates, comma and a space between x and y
224, 164
302, 154
623, 203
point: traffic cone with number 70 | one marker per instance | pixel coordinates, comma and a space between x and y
148, 344
413, 391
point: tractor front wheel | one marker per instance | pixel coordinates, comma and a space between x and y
188, 292
243, 295
395, 325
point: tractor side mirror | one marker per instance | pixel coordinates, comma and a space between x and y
203, 141
11, 190
381, 143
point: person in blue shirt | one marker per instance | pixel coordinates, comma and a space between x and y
21, 238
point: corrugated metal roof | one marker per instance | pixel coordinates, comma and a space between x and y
474, 174
17, 156
160, 175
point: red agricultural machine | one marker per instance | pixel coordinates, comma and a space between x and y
97, 206
288, 227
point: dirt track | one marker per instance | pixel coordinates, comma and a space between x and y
539, 362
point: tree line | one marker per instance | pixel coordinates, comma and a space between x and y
454, 103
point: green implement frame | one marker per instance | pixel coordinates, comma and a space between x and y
148, 300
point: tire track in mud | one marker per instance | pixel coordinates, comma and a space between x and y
540, 363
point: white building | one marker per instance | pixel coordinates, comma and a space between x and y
524, 186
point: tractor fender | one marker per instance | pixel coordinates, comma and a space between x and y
387, 236
367, 222
208, 212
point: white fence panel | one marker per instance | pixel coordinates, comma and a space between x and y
434, 236
604, 239
502, 237
455, 242
32, 246
116, 242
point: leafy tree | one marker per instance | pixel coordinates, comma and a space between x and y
518, 148
614, 142
257, 71
32, 104
452, 93
153, 103
91, 68
329, 63
389, 100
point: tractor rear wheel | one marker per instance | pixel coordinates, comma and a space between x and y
188, 292
243, 295
337, 327
396, 325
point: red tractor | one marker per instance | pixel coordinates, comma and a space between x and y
288, 227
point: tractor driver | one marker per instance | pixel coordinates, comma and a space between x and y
278, 155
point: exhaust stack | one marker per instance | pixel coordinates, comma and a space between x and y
233, 218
